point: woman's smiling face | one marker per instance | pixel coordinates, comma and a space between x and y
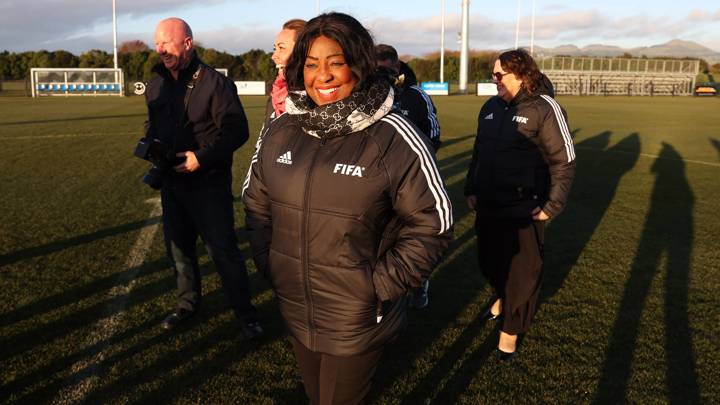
326, 74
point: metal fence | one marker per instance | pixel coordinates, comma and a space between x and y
621, 76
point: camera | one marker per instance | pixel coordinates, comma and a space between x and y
161, 155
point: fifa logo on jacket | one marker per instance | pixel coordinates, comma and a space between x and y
520, 119
349, 170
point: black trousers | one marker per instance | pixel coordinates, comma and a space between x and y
335, 380
510, 255
205, 211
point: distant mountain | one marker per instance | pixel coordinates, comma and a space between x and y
676, 48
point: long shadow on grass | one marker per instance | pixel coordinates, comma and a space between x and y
599, 171
202, 367
458, 139
459, 377
46, 392
668, 233
27, 340
94, 117
452, 289
222, 362
450, 166
596, 182
716, 144
63, 244
214, 304
73, 295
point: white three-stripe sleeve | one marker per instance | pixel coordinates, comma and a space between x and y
562, 123
428, 167
432, 118
253, 161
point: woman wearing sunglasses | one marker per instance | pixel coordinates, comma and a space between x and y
327, 180
520, 175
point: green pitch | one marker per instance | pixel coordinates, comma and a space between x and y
629, 309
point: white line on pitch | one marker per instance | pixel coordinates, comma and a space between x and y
54, 136
85, 370
648, 155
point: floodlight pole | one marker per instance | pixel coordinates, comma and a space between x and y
464, 48
532, 30
442, 43
517, 26
115, 62
317, 7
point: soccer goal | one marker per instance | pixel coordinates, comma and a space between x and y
76, 82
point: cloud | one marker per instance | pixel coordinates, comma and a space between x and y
704, 16
41, 24
71, 27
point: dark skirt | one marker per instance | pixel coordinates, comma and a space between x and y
510, 257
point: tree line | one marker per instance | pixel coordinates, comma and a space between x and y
480, 66
136, 59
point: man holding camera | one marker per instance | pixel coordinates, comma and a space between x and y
195, 123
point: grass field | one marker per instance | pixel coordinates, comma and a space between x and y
630, 307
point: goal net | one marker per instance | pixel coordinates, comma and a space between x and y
76, 82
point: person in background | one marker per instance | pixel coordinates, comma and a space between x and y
282, 49
197, 114
412, 102
326, 181
522, 167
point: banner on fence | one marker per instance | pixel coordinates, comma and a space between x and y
250, 88
436, 88
486, 89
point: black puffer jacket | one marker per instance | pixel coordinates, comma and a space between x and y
318, 212
417, 106
523, 156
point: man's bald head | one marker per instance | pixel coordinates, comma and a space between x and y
174, 44
176, 24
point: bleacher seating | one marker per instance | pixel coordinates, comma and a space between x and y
634, 77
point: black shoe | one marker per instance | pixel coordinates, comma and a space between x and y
176, 318
489, 316
250, 329
505, 356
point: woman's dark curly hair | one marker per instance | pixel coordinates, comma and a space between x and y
354, 39
523, 66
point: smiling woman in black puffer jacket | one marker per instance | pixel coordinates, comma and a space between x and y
328, 179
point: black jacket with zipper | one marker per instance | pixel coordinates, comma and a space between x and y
318, 211
417, 106
213, 125
523, 156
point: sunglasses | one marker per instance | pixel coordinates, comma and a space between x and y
499, 76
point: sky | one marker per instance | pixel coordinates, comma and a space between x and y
413, 27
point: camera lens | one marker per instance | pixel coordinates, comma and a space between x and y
153, 178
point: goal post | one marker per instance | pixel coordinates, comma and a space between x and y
76, 82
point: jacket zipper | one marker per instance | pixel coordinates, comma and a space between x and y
306, 247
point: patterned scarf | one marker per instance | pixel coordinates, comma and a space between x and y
351, 114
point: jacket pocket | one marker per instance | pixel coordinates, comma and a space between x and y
514, 186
